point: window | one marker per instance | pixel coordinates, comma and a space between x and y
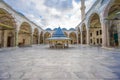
100, 31
97, 33
100, 40
97, 40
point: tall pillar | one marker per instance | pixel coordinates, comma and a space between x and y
31, 39
38, 39
16, 38
88, 39
105, 34
77, 38
81, 37
82, 9
2, 36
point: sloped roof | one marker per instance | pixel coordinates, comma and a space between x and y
59, 33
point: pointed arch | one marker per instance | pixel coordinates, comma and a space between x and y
24, 35
66, 34
73, 37
7, 29
46, 35
112, 16
95, 30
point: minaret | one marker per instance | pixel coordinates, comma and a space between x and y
82, 9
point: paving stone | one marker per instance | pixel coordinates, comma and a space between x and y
75, 63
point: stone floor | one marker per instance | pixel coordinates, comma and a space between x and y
75, 63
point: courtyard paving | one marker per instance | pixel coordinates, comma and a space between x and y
74, 63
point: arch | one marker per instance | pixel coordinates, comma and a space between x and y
84, 34
7, 29
35, 36
24, 35
109, 7
95, 30
73, 37
66, 34
46, 35
112, 13
41, 37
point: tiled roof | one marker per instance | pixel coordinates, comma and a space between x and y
59, 33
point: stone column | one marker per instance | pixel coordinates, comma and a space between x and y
38, 39
31, 39
105, 33
81, 38
5, 38
88, 39
77, 38
43, 39
2, 36
16, 38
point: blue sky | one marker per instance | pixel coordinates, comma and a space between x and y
51, 13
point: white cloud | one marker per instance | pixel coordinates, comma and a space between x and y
51, 16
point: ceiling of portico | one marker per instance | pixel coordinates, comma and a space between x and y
6, 19
95, 21
26, 27
114, 10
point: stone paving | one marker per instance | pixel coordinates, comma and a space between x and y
75, 63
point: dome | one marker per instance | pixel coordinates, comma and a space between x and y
72, 29
64, 29
48, 29
55, 29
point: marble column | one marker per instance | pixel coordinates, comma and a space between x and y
81, 37
77, 37
31, 42
16, 38
88, 39
105, 34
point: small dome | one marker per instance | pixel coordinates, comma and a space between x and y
55, 29
48, 29
64, 29
72, 29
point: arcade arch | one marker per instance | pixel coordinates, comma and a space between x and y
24, 35
73, 37
46, 35
113, 19
7, 29
95, 30
66, 34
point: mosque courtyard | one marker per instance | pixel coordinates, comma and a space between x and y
75, 63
